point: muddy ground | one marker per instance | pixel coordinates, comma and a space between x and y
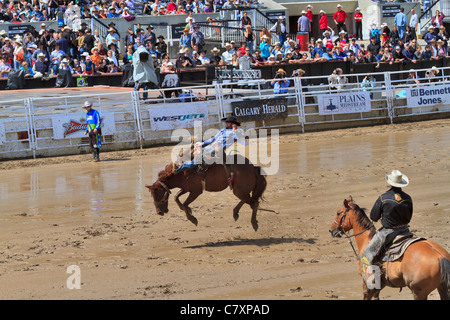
65, 211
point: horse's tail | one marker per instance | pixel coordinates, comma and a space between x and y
260, 186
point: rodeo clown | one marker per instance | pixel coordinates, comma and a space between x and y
93, 128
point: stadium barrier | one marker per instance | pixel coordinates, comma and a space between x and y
53, 126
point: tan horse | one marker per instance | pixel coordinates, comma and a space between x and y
425, 265
248, 185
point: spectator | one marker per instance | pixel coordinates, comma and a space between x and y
328, 55
303, 23
337, 80
215, 58
227, 55
413, 23
185, 39
264, 47
398, 54
430, 35
431, 74
197, 38
373, 46
338, 54
89, 66
394, 35
280, 29
438, 20
149, 36
339, 19
323, 22
249, 36
265, 33
358, 16
161, 46
5, 67
112, 38
183, 61
280, 84
400, 20
412, 78
203, 58
368, 84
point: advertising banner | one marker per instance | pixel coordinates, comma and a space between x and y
2, 133
428, 96
264, 109
345, 102
178, 116
74, 126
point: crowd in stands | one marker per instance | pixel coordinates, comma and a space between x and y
41, 53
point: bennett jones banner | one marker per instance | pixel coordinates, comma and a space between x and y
428, 96
265, 109
345, 102
74, 126
178, 116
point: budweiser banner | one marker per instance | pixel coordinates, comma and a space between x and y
178, 116
74, 126
344, 102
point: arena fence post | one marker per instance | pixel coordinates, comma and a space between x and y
137, 116
31, 125
300, 102
389, 96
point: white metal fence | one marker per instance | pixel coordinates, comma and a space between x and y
36, 127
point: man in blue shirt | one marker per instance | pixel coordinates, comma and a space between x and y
93, 128
319, 48
282, 84
224, 139
400, 20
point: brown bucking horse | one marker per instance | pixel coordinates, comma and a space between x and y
424, 266
248, 184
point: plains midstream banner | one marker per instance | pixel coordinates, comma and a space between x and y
428, 96
178, 116
74, 126
344, 102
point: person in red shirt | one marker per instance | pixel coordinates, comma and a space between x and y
323, 22
339, 18
171, 7
358, 16
309, 13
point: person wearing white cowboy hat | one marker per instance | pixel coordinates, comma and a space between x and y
280, 29
214, 147
395, 209
339, 19
93, 129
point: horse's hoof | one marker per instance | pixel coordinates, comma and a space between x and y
236, 216
255, 225
194, 220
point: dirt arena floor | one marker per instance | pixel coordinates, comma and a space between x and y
67, 211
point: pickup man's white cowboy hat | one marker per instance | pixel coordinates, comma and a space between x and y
397, 179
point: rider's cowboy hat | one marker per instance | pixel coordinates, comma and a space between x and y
397, 179
231, 119
87, 104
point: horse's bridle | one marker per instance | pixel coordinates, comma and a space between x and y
348, 236
167, 190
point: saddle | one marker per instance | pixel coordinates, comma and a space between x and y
398, 246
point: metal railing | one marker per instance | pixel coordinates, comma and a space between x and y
36, 127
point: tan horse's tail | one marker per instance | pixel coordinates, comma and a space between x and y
445, 272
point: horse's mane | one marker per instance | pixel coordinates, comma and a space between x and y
364, 220
168, 171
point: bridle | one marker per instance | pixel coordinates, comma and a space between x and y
346, 235
167, 191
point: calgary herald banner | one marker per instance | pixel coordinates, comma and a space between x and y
74, 126
344, 102
178, 116
264, 109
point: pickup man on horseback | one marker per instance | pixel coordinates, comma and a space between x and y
216, 145
395, 208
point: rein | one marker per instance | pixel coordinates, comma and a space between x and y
350, 236
166, 194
